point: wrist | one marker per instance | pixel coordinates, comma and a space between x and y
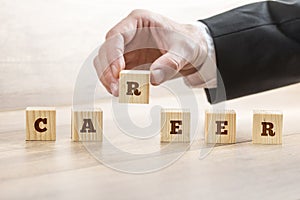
206, 76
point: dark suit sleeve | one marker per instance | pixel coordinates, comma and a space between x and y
257, 48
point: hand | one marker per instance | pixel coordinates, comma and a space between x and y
152, 41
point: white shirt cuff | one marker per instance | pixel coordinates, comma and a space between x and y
206, 77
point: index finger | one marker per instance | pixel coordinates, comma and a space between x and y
116, 40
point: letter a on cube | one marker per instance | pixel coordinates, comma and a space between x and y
175, 125
87, 125
220, 127
40, 124
134, 86
267, 127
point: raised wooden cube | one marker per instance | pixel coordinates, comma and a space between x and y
40, 124
267, 127
175, 125
220, 127
87, 125
134, 86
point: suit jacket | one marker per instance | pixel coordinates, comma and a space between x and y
257, 48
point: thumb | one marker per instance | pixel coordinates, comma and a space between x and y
165, 68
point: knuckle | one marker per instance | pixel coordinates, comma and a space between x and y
95, 61
138, 12
110, 33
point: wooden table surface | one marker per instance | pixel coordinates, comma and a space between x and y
66, 170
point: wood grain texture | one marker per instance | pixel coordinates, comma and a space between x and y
273, 122
178, 118
87, 125
40, 124
220, 127
134, 86
66, 170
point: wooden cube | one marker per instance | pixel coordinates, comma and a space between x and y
87, 125
134, 86
175, 125
40, 124
267, 127
220, 127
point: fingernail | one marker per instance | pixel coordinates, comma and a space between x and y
114, 89
157, 76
